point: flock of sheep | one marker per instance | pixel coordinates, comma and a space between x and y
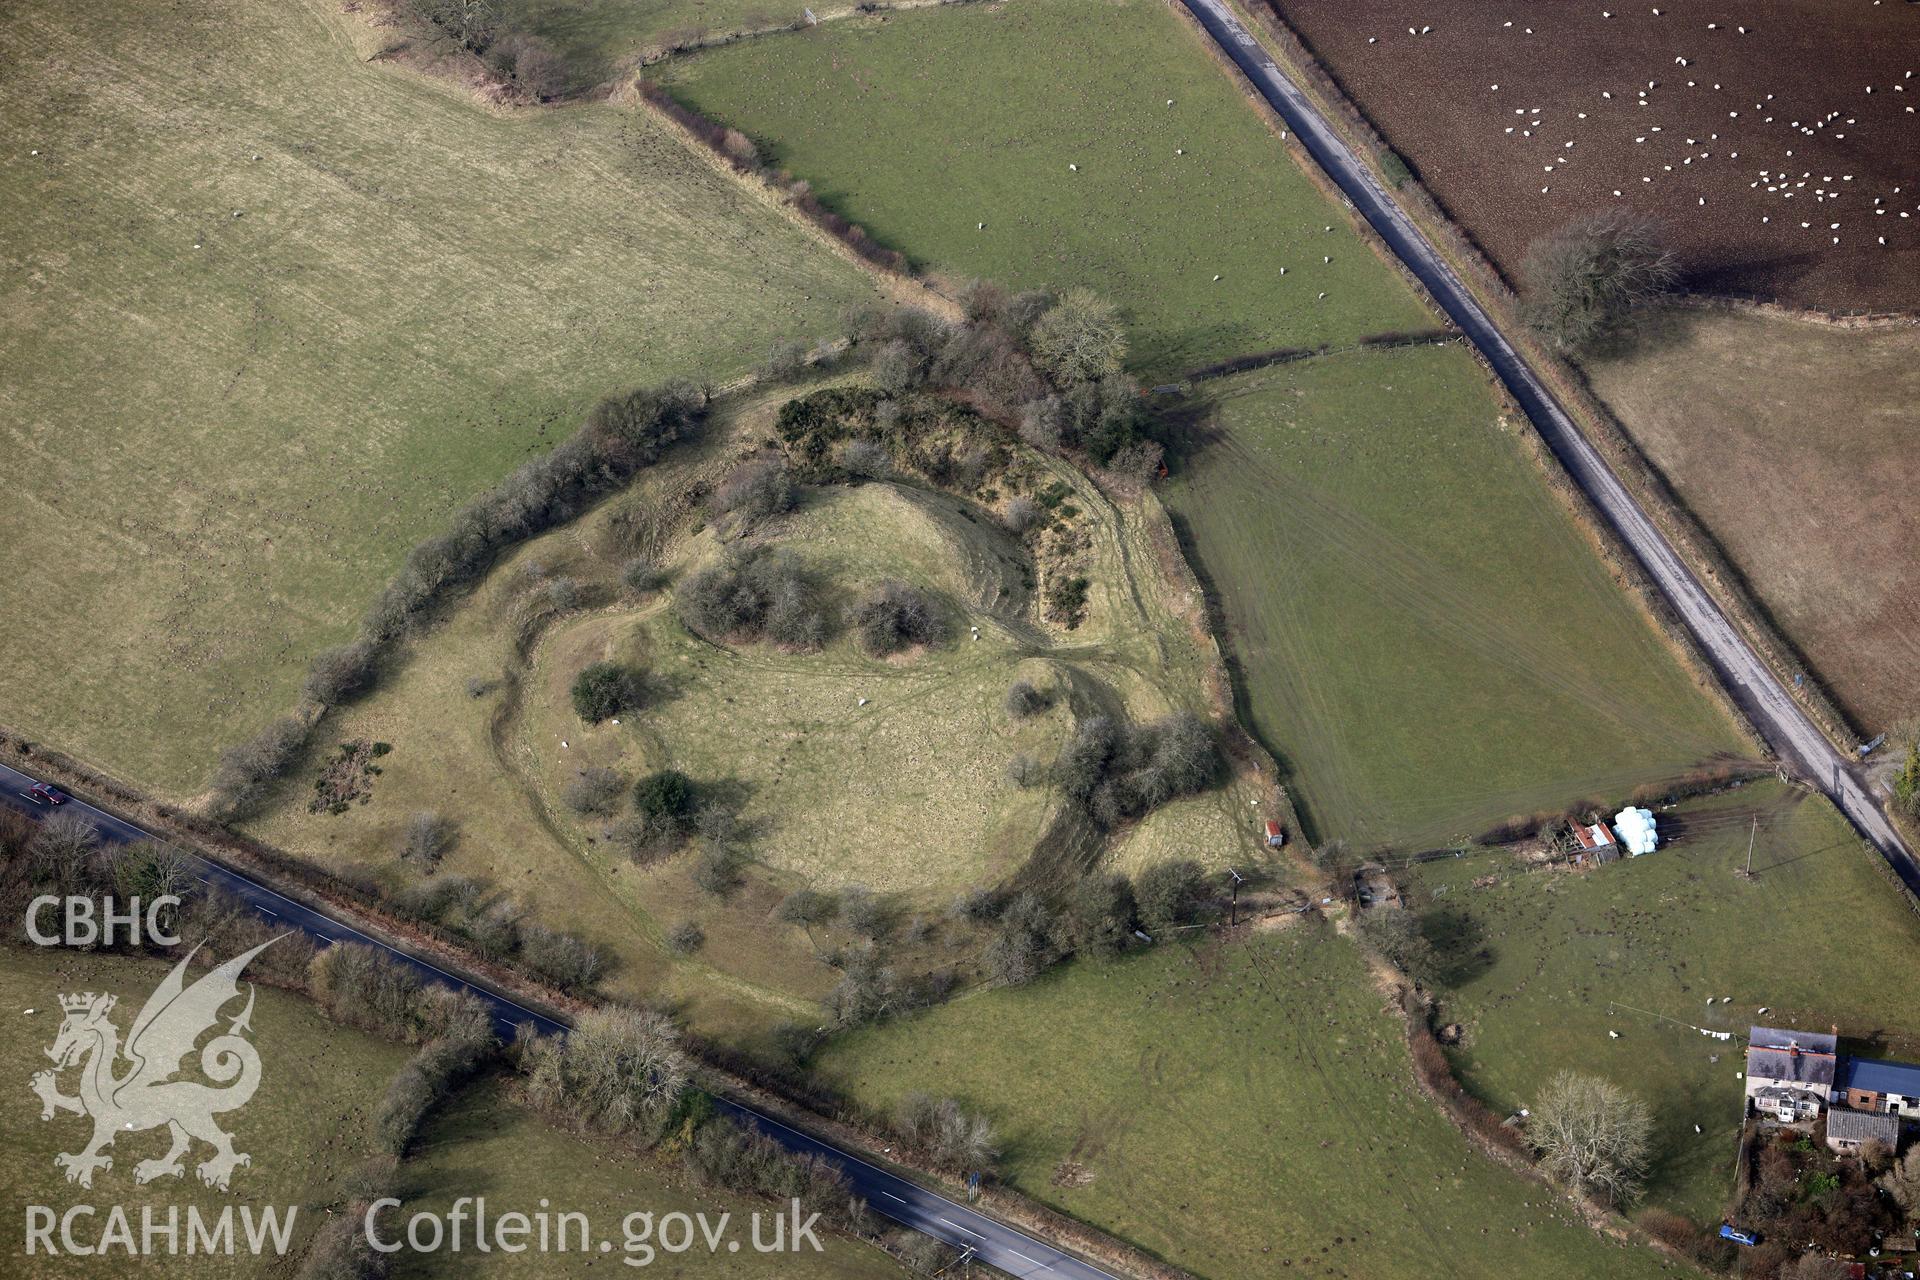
1773, 133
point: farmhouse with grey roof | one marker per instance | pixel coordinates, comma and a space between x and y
1787, 1069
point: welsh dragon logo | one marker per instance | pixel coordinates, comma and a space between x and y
145, 1095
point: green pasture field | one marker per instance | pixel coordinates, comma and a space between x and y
923, 125
1243, 1110
221, 452
1426, 639
306, 1127
486, 1144
1539, 966
1821, 421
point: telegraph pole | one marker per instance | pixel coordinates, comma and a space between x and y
1233, 908
1752, 832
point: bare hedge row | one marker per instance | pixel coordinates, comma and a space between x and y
621, 435
739, 151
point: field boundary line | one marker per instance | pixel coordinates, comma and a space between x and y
653, 56
1616, 558
1649, 488
1826, 319
1457, 1104
1437, 337
903, 286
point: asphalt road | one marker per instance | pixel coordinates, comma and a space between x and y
1750, 682
894, 1197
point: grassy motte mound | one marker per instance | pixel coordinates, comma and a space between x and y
914, 796
891, 772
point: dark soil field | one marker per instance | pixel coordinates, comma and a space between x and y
1778, 157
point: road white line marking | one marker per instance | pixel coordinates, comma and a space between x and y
850, 1158
263, 911
244, 885
1024, 1258
957, 1227
889, 1195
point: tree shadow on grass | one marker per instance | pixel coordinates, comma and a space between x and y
1459, 942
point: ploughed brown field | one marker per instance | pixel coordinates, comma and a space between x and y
1498, 159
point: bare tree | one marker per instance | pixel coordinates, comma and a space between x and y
64, 845
1024, 698
741, 149
1583, 280
616, 1068
807, 908
339, 673
1902, 1183
1080, 339
1041, 423
532, 62
946, 1132
248, 769
785, 358
1592, 1135
755, 490
427, 838
595, 791
896, 616
864, 457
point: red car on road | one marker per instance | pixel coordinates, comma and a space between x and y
41, 793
